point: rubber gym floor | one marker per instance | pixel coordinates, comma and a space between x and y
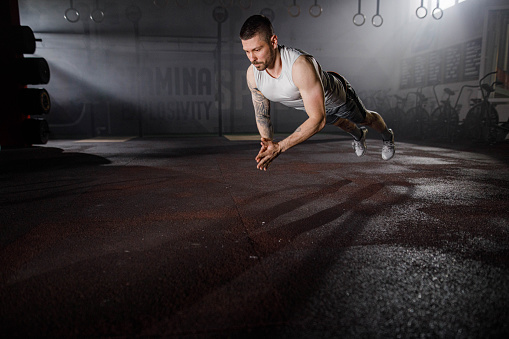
183, 237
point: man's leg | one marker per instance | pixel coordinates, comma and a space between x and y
353, 112
375, 121
359, 135
349, 127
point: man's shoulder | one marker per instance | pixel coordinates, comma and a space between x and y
293, 51
304, 61
250, 77
305, 70
250, 71
298, 58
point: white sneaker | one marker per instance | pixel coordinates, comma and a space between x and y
360, 145
389, 148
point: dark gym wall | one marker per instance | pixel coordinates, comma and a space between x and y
149, 67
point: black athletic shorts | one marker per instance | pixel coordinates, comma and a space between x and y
352, 110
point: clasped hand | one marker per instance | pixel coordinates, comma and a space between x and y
268, 152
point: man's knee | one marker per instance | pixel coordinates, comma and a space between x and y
370, 118
345, 124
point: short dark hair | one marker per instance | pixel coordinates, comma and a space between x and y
257, 24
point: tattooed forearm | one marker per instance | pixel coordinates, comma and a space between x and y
262, 114
261, 107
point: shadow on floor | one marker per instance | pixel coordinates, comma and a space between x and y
45, 158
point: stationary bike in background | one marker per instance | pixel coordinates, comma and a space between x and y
444, 120
481, 123
394, 115
415, 122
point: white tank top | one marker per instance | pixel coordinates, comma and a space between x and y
284, 91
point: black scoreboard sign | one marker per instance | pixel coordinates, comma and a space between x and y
452, 64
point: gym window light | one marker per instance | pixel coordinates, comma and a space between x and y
444, 4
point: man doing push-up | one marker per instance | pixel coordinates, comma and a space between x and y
295, 79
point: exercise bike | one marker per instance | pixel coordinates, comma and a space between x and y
481, 123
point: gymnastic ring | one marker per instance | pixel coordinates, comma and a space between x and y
439, 15
269, 13
72, 11
220, 14
296, 7
374, 18
417, 12
319, 10
161, 5
421, 7
97, 15
377, 15
363, 17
